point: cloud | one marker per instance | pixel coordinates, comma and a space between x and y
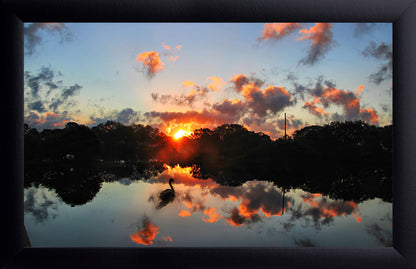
48, 120
381, 52
359, 90
257, 105
34, 39
195, 93
38, 204
304, 242
36, 106
151, 62
216, 83
233, 108
126, 116
147, 234
35, 82
258, 199
188, 83
273, 99
213, 215
369, 115
382, 236
322, 211
363, 29
315, 110
276, 31
322, 41
170, 53
240, 80
46, 95
70, 91
325, 93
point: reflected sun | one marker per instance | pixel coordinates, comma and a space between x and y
181, 133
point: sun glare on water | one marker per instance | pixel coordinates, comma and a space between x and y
181, 133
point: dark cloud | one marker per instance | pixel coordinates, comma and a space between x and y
47, 121
70, 91
258, 199
240, 80
37, 99
381, 52
35, 82
291, 123
127, 116
383, 237
233, 108
38, 205
272, 99
363, 29
37, 106
322, 41
317, 213
179, 100
32, 34
292, 76
55, 104
304, 242
325, 93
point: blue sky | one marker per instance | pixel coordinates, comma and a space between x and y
314, 72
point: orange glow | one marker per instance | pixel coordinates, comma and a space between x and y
213, 215
317, 33
233, 223
165, 46
146, 235
184, 213
152, 61
332, 209
359, 90
181, 133
369, 115
188, 83
278, 30
183, 175
216, 83
313, 109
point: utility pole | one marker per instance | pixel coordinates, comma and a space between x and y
285, 127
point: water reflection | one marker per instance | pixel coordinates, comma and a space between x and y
256, 213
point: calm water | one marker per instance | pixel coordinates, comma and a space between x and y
126, 213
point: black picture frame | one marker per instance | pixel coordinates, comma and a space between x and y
402, 13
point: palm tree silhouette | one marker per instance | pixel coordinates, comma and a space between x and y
166, 196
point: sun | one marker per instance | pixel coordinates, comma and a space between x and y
181, 133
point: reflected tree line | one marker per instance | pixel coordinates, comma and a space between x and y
344, 160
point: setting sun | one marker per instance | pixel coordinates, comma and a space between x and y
181, 133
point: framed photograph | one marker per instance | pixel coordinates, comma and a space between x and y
234, 139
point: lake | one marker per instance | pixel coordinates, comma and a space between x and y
127, 212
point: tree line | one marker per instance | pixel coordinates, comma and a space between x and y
340, 159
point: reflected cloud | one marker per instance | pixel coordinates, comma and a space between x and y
322, 211
38, 204
382, 236
304, 242
147, 234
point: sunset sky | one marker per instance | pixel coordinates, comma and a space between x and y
201, 75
